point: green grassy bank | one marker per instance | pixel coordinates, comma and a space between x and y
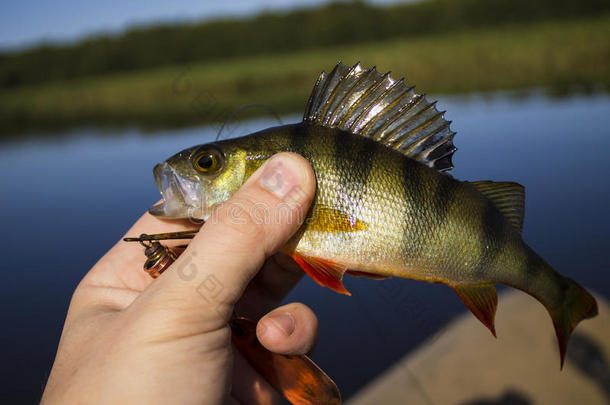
561, 56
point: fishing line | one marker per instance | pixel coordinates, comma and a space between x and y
268, 108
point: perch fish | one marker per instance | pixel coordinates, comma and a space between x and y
384, 205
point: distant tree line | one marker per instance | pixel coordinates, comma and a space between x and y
333, 24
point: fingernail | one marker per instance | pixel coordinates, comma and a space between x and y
283, 321
280, 178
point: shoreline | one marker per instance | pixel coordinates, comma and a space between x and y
561, 57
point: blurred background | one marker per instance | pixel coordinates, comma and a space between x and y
93, 94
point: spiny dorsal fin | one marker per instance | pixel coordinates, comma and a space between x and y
370, 104
508, 197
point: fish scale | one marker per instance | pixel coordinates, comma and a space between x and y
384, 205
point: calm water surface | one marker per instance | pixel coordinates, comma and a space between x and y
65, 202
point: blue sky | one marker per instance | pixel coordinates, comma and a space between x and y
26, 22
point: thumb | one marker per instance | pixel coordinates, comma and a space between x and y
234, 242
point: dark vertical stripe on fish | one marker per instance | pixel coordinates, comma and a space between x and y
354, 160
444, 198
298, 139
494, 238
532, 271
414, 238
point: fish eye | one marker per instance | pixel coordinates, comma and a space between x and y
208, 161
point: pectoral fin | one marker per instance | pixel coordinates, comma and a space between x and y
482, 301
328, 219
324, 272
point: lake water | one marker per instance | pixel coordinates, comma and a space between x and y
65, 201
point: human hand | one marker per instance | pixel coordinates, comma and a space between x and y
129, 340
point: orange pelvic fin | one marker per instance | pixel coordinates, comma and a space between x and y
298, 378
357, 273
324, 272
482, 301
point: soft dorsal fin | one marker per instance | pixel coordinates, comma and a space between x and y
507, 196
370, 104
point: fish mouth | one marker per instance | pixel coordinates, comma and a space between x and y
181, 197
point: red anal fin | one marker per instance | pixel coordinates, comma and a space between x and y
357, 273
482, 301
296, 377
324, 272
